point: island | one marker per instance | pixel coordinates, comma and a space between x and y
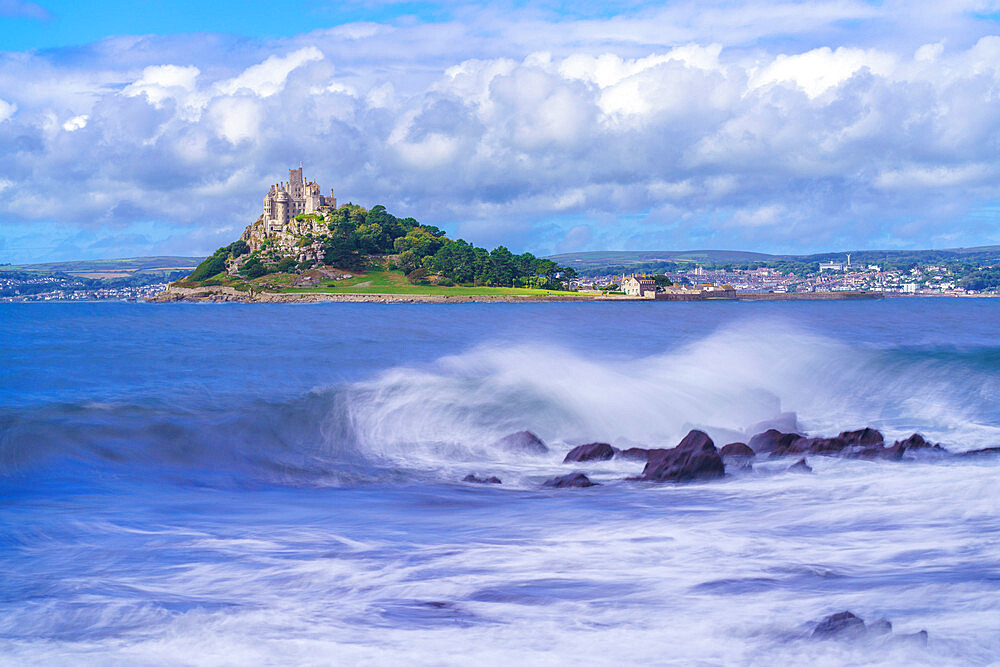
305, 247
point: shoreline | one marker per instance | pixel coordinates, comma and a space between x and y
223, 294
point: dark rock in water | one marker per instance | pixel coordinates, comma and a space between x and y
845, 625
575, 479
637, 453
772, 440
915, 441
595, 451
522, 441
737, 456
694, 458
981, 452
841, 625
799, 466
736, 449
481, 480
866, 437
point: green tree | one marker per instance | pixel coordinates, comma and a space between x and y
409, 261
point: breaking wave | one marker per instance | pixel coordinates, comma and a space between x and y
426, 419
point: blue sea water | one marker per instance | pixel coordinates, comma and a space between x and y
281, 484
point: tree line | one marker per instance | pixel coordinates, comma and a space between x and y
356, 235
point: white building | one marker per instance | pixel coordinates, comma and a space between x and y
644, 287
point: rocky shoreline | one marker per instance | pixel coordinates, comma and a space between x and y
696, 458
225, 294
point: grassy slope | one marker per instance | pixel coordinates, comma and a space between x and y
393, 282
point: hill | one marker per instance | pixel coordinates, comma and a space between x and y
617, 261
110, 268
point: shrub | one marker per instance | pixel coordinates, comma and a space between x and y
286, 265
254, 268
416, 274
239, 248
446, 282
211, 266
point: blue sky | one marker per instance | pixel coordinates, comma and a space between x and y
155, 127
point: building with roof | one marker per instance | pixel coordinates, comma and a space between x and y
642, 287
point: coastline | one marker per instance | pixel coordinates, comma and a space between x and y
223, 294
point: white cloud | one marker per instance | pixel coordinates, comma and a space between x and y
76, 123
269, 77
161, 82
819, 70
236, 118
928, 53
7, 110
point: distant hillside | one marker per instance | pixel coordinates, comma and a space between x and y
614, 261
602, 258
110, 268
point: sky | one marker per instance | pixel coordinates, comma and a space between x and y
150, 128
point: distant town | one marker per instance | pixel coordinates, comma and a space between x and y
117, 281
928, 280
132, 279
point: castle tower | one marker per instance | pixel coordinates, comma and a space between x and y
295, 184
281, 207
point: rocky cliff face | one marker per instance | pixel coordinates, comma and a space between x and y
288, 238
288, 242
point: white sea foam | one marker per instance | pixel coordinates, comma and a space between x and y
731, 384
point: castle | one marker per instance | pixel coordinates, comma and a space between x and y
284, 201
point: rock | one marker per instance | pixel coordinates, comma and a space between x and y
915, 442
799, 466
481, 480
845, 625
595, 451
987, 451
637, 453
694, 458
522, 441
841, 625
772, 440
866, 437
736, 449
574, 479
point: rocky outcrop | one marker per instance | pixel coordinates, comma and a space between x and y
846, 626
522, 441
694, 458
595, 451
866, 443
799, 466
843, 624
637, 453
987, 451
472, 479
736, 450
574, 479
772, 440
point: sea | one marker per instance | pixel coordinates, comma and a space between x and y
243, 484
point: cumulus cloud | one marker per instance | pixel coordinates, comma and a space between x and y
674, 127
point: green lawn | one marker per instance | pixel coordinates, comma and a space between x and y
393, 282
